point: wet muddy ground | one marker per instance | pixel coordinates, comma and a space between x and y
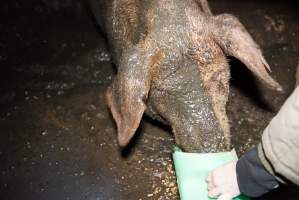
57, 137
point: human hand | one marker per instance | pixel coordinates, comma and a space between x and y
223, 183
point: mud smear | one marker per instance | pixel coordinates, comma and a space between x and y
57, 138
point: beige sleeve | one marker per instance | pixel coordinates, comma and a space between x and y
297, 75
281, 139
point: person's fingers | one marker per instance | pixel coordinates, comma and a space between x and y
210, 182
225, 197
210, 186
214, 193
209, 178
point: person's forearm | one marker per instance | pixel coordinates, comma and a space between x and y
253, 178
259, 170
281, 140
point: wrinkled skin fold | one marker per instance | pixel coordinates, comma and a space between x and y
171, 61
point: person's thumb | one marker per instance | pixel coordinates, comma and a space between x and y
225, 197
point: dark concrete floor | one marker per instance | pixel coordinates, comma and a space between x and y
57, 137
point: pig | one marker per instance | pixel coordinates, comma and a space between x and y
171, 65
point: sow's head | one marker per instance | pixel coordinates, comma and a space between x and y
185, 82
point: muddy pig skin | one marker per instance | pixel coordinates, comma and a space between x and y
171, 64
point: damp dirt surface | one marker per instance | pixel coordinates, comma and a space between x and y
57, 137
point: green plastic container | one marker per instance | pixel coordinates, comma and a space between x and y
193, 168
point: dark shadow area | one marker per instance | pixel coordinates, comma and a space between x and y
243, 79
283, 192
127, 150
94, 14
158, 123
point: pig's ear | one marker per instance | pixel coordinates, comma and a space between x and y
235, 41
129, 91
